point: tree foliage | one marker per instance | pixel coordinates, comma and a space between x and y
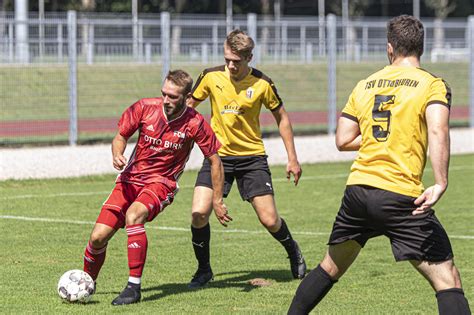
442, 8
438, 8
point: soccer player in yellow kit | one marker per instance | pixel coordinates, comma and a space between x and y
392, 118
237, 93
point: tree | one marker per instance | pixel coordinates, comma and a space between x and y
356, 8
176, 31
442, 9
86, 6
265, 31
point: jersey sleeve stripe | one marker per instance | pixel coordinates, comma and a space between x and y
448, 93
197, 99
277, 108
346, 115
440, 103
259, 74
203, 74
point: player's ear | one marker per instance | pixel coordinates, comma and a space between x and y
187, 99
390, 53
249, 58
389, 49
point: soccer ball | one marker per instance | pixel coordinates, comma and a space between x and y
76, 286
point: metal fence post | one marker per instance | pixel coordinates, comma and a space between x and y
252, 31
215, 41
321, 26
11, 43
165, 44
471, 72
332, 100
228, 17
147, 53
302, 44
284, 42
135, 31
140, 41
21, 31
60, 42
204, 53
90, 44
72, 62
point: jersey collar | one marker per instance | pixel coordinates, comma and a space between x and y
186, 108
230, 78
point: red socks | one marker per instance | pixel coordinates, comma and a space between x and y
137, 248
93, 260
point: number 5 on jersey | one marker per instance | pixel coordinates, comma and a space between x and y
382, 117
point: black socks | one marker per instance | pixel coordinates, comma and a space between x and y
201, 238
283, 235
452, 302
311, 291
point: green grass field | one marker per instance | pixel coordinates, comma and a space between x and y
41, 92
58, 215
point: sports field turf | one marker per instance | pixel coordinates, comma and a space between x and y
46, 223
41, 92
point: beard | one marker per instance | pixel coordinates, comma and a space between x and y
174, 111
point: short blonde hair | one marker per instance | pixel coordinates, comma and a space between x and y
240, 43
181, 78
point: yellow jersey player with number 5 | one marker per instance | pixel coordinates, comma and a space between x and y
393, 118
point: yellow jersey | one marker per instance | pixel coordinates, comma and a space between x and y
389, 107
235, 108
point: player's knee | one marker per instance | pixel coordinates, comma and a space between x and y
270, 222
136, 217
456, 277
98, 239
199, 220
446, 278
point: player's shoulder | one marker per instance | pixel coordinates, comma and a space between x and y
376, 75
213, 70
151, 102
193, 117
429, 75
260, 75
372, 77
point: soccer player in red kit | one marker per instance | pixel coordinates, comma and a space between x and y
168, 130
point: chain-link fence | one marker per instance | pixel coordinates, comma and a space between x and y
68, 77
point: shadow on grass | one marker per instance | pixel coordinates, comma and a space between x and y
237, 279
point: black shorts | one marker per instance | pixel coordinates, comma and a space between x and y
251, 172
368, 212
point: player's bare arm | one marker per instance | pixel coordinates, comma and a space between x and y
217, 177
348, 136
192, 102
118, 148
286, 133
437, 118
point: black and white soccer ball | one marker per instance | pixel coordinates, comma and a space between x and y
76, 286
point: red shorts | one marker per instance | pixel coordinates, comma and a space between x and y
154, 196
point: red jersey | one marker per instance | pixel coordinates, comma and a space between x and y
163, 146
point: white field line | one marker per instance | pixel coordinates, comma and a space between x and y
304, 178
89, 193
179, 229
164, 228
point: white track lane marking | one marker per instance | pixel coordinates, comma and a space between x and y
92, 193
179, 229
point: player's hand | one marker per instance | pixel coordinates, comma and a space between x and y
222, 213
119, 161
428, 198
293, 167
